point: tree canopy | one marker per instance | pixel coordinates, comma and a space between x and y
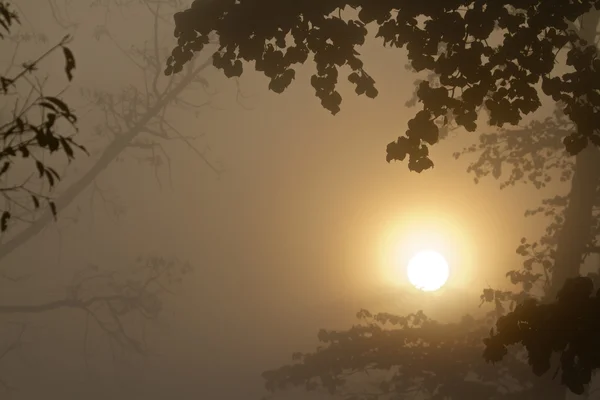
486, 54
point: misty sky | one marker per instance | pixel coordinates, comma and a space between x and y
293, 236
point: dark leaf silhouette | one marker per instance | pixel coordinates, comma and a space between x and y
69, 62
36, 201
40, 167
569, 326
4, 220
454, 42
405, 355
5, 168
25, 141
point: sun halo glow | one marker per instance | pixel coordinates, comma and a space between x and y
406, 234
428, 271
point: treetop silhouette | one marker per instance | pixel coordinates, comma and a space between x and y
489, 54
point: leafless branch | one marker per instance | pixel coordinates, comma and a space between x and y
112, 300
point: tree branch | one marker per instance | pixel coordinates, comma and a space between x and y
65, 303
111, 152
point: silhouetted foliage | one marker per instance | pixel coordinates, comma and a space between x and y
407, 355
532, 153
484, 55
412, 353
489, 54
571, 326
32, 131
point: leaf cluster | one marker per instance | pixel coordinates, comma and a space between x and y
406, 355
33, 130
532, 154
402, 355
569, 326
490, 53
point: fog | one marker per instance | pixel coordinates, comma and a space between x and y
293, 233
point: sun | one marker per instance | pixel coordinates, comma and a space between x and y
428, 270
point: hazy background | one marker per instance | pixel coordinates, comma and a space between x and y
298, 233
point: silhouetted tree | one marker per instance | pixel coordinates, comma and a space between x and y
32, 132
483, 56
534, 153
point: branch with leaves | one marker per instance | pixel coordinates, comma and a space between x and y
389, 356
32, 133
569, 326
137, 119
456, 42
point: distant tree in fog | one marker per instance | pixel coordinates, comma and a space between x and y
134, 121
119, 303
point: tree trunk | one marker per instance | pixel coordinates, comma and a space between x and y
576, 231
573, 238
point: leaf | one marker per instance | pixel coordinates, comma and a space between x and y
36, 201
4, 221
53, 172
5, 167
52, 208
80, 147
353, 78
40, 136
59, 106
50, 177
47, 105
7, 16
67, 148
40, 167
50, 120
69, 62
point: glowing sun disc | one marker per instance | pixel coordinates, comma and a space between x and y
428, 271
